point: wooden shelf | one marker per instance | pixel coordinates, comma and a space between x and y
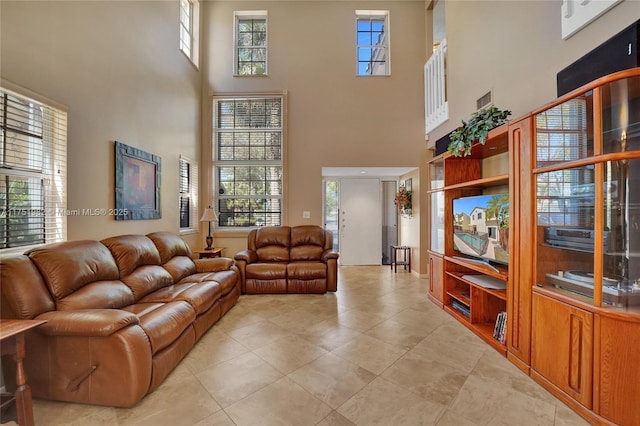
500, 294
485, 332
503, 273
482, 183
459, 296
497, 142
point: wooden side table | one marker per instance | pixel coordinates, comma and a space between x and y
12, 334
406, 259
206, 254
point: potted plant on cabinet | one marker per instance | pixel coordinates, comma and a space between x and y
476, 128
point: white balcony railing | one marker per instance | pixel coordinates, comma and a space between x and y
436, 108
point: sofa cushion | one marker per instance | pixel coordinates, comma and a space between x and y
175, 254
147, 279
226, 279
131, 251
24, 291
306, 270
201, 296
272, 243
307, 243
164, 322
69, 265
100, 294
267, 271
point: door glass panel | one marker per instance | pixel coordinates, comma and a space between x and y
621, 115
436, 174
437, 222
565, 231
621, 256
565, 132
331, 210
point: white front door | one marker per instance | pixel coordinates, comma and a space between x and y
360, 222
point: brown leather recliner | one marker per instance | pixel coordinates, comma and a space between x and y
121, 313
283, 259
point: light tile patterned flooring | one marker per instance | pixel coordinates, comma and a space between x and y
377, 352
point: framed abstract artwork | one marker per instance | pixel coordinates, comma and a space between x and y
137, 183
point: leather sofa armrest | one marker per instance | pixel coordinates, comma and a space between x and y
329, 255
248, 256
86, 322
213, 264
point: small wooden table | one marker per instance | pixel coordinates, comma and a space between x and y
12, 334
205, 254
406, 258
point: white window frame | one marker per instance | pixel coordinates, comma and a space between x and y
39, 154
219, 163
381, 48
239, 16
190, 193
190, 30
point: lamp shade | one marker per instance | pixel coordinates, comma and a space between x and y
209, 215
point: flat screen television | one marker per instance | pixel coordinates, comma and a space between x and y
481, 227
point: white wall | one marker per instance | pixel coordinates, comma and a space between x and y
335, 118
516, 49
117, 67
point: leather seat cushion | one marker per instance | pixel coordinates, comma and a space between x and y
266, 271
226, 279
306, 270
199, 295
164, 322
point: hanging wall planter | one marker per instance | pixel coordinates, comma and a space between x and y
403, 201
476, 128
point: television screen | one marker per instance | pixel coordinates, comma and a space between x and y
481, 227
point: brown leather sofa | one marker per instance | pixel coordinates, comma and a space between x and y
121, 313
283, 259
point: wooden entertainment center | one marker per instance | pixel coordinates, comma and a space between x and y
572, 296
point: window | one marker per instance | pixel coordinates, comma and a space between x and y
189, 18
436, 107
33, 161
188, 187
565, 197
248, 151
372, 35
250, 43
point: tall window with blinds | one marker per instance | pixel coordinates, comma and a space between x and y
248, 154
188, 187
32, 172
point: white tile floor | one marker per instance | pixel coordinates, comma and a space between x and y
377, 352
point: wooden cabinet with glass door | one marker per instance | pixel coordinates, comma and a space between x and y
586, 182
436, 229
469, 250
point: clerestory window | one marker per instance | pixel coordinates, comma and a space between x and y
372, 39
250, 43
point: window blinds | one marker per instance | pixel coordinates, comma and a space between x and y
33, 171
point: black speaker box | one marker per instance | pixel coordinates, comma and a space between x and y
442, 144
618, 53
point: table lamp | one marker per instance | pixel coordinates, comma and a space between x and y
209, 215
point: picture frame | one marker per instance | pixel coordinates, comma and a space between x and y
137, 183
408, 183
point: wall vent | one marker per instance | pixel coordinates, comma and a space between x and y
484, 100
